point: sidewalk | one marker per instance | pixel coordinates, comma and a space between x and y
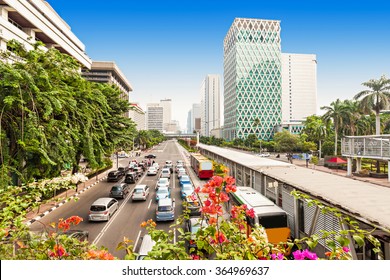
340, 172
60, 199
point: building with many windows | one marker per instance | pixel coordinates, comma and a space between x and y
210, 104
30, 21
154, 116
137, 115
264, 89
252, 78
167, 113
299, 89
108, 72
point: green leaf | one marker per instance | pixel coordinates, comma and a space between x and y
359, 240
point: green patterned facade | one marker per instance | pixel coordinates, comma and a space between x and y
252, 79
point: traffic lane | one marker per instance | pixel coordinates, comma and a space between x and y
79, 207
128, 219
126, 222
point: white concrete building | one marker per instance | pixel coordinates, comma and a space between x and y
167, 113
137, 115
210, 104
154, 116
35, 20
299, 87
108, 72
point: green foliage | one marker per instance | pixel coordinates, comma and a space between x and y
50, 115
285, 141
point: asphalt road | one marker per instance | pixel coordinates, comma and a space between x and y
125, 223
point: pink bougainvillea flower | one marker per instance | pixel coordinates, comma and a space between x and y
250, 213
230, 180
278, 256
345, 249
304, 255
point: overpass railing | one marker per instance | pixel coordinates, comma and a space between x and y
369, 146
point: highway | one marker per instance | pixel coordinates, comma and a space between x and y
125, 223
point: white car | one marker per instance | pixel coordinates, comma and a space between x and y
140, 192
162, 182
152, 171
264, 155
155, 165
165, 173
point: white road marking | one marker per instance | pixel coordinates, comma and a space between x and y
150, 203
136, 241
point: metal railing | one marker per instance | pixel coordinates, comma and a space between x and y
369, 146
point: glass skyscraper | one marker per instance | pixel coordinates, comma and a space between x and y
252, 79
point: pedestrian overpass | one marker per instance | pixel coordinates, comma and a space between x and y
179, 135
369, 146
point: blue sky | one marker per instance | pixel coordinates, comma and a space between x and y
166, 48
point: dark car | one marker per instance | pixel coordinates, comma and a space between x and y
81, 235
150, 156
131, 178
119, 191
123, 170
139, 171
114, 176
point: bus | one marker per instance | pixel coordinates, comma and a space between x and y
202, 166
267, 214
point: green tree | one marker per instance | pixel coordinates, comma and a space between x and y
375, 99
335, 113
285, 141
316, 129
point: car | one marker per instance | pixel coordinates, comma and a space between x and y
186, 190
138, 171
156, 165
169, 164
146, 246
81, 235
162, 182
179, 166
114, 176
193, 225
165, 173
162, 192
264, 155
102, 209
150, 156
119, 191
123, 155
131, 178
184, 179
152, 171
140, 192
180, 162
165, 210
123, 169
192, 205
181, 172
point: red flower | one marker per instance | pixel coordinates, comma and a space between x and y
250, 213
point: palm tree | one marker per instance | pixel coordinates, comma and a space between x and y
316, 129
353, 114
335, 112
375, 99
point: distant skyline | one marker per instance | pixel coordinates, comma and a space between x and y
166, 48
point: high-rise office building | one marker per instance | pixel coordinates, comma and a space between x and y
252, 78
210, 104
167, 113
299, 89
154, 116
137, 115
108, 72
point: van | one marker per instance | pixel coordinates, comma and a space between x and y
165, 210
146, 246
102, 209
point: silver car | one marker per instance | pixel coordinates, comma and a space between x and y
102, 209
140, 192
162, 182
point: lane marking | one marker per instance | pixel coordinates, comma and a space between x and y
150, 203
136, 241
